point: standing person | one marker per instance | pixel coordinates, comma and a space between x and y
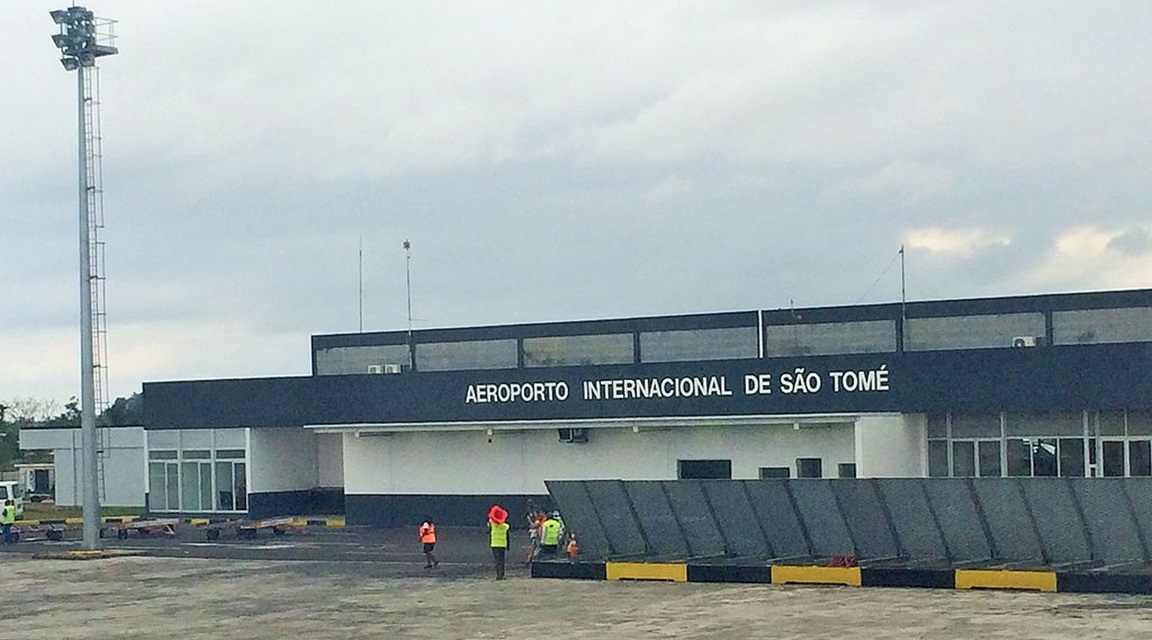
427, 533
552, 530
7, 517
498, 537
535, 522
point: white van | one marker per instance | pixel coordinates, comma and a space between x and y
12, 490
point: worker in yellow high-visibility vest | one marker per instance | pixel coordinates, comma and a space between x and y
7, 517
498, 537
553, 530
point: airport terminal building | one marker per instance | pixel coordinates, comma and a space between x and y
394, 425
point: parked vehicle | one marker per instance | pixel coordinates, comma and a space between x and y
13, 490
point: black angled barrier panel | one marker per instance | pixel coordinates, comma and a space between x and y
866, 517
917, 533
662, 532
1058, 520
580, 515
743, 537
617, 520
901, 531
1111, 525
1008, 520
697, 519
778, 518
952, 505
822, 519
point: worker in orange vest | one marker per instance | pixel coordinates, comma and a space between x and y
427, 532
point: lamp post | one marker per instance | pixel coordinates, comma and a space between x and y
80, 45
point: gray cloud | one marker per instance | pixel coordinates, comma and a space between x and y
554, 163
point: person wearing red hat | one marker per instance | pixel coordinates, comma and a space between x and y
498, 537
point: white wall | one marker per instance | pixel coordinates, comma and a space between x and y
123, 463
519, 461
891, 446
330, 459
282, 459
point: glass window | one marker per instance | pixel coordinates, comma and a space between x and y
1019, 457
937, 426
240, 481
457, 356
163, 439
1113, 458
989, 453
846, 469
229, 438
172, 485
775, 472
225, 493
1110, 423
938, 458
162, 455
197, 454
1091, 326
704, 469
1139, 423
578, 350
1056, 423
190, 487
1044, 457
345, 360
206, 486
963, 459
698, 344
157, 492
1139, 458
976, 425
228, 454
971, 332
809, 468
1072, 457
869, 336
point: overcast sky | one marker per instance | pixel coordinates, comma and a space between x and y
558, 161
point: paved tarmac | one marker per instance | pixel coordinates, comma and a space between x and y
371, 584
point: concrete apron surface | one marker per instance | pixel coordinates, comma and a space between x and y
151, 597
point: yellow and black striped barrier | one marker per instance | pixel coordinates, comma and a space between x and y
1045, 580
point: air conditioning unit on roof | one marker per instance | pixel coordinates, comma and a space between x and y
375, 368
393, 368
1027, 341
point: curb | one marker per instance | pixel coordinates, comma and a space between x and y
1047, 581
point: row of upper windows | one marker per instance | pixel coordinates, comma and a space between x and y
1091, 326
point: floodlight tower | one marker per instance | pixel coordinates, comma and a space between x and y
81, 40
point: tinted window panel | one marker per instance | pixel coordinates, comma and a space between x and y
971, 332
1092, 326
698, 344
347, 360
562, 351
457, 356
873, 336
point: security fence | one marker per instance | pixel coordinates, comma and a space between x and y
1061, 523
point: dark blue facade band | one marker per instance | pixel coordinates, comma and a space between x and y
1076, 377
295, 503
403, 510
